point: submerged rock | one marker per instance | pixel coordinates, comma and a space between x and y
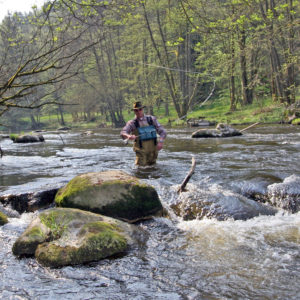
222, 130
30, 201
3, 218
285, 195
28, 138
66, 236
215, 203
111, 193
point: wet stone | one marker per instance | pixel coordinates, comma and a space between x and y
67, 236
30, 201
217, 203
112, 193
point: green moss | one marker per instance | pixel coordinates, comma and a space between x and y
96, 227
29, 241
296, 121
3, 218
140, 202
52, 255
101, 240
76, 185
36, 232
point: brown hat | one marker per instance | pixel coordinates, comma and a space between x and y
137, 105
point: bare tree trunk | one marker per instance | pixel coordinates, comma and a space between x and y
61, 114
291, 86
247, 99
232, 77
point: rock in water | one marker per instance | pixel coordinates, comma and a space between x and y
111, 193
285, 195
67, 236
28, 139
222, 130
216, 203
3, 218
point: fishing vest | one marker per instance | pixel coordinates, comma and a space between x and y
146, 133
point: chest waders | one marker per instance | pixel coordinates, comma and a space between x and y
145, 145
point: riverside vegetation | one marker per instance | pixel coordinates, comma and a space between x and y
240, 65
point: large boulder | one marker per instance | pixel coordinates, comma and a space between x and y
111, 193
66, 236
222, 130
3, 218
216, 203
28, 138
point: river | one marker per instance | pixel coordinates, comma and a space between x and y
200, 259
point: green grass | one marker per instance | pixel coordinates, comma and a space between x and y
217, 110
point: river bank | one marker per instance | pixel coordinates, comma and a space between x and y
215, 111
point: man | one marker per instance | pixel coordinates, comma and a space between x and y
142, 130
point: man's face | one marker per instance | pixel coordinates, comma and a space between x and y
139, 112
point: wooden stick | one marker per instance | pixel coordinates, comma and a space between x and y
61, 139
188, 176
249, 127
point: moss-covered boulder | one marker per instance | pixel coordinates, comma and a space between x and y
3, 218
28, 138
67, 236
111, 193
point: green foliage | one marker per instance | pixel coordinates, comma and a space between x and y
56, 223
149, 51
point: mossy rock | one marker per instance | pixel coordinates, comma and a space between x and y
27, 138
112, 193
296, 121
3, 218
67, 236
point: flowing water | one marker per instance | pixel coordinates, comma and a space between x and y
200, 259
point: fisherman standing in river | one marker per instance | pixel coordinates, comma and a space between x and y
143, 131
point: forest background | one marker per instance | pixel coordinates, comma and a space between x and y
84, 62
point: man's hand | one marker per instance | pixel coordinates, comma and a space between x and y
160, 145
132, 137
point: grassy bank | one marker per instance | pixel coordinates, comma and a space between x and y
216, 110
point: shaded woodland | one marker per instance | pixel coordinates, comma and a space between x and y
94, 58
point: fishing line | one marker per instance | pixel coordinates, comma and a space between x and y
183, 71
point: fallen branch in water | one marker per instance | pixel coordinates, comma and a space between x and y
1, 152
61, 139
249, 127
188, 176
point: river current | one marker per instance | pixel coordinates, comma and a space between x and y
200, 259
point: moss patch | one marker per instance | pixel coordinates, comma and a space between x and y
29, 241
75, 186
101, 240
3, 219
140, 202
